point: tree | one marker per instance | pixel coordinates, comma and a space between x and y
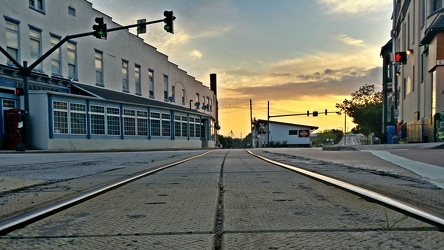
365, 108
333, 136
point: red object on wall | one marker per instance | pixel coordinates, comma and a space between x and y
13, 117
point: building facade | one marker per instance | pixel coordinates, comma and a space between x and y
266, 132
413, 86
94, 94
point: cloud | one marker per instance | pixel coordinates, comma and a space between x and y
316, 86
357, 7
348, 40
196, 54
315, 67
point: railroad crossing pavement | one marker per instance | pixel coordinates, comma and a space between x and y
264, 207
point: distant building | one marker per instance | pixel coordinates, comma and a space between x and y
96, 94
266, 132
414, 102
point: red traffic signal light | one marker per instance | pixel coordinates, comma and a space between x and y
169, 19
99, 28
401, 57
19, 91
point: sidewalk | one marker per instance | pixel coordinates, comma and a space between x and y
391, 153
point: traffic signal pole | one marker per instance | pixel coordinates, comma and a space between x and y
25, 71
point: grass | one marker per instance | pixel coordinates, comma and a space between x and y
388, 226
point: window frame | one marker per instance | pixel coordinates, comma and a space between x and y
35, 39
56, 56
71, 49
151, 83
15, 35
125, 76
34, 5
98, 64
138, 79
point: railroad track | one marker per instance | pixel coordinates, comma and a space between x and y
11, 224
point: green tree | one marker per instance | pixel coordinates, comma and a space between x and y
327, 137
365, 108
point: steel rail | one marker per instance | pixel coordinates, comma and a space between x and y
18, 221
392, 203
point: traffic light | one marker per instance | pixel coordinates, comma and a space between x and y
315, 113
401, 57
169, 19
99, 28
19, 91
308, 113
326, 112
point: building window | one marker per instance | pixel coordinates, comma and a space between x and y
197, 103
97, 117
165, 87
12, 42
38, 5
180, 126
211, 105
194, 125
197, 127
35, 46
173, 93
137, 80
71, 11
142, 123
436, 5
60, 111
155, 124
160, 124
113, 121
55, 60
177, 126
129, 122
99, 67
151, 83
183, 96
208, 103
166, 124
72, 60
125, 84
185, 126
77, 115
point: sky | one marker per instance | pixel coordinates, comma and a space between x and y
296, 55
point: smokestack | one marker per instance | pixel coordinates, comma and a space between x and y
213, 84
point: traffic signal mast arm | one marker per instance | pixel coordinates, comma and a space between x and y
307, 114
271, 116
69, 37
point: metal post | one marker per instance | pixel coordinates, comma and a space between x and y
28, 139
251, 124
268, 124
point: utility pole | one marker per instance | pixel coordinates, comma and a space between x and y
251, 123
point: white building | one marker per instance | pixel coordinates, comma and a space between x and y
266, 133
95, 94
